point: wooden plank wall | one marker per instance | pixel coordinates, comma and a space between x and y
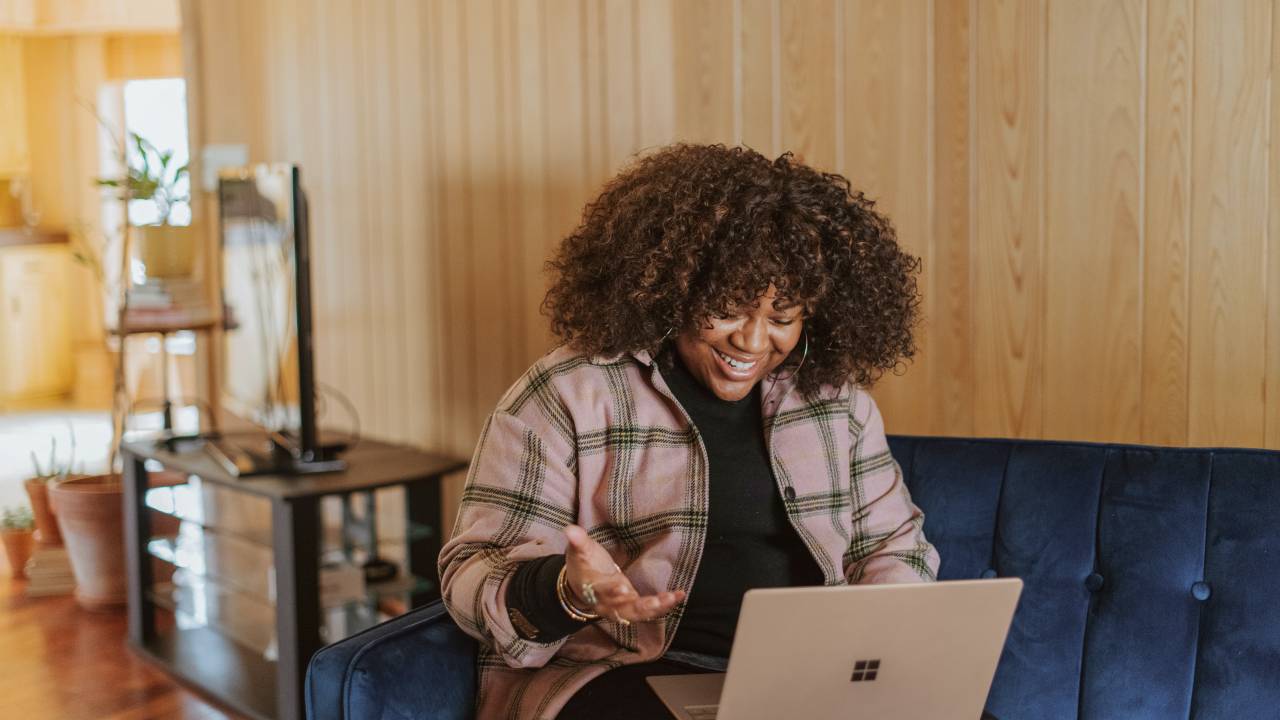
1088, 182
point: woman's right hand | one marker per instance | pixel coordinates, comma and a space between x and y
586, 561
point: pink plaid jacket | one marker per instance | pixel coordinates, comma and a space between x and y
603, 442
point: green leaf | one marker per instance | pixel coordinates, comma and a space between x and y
142, 144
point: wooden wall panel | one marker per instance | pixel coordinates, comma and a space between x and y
1093, 162
345, 233
1167, 223
85, 17
758, 75
321, 171
385, 229
807, 98
594, 93
373, 344
621, 79
419, 244
144, 56
489, 283
455, 272
1228, 222
887, 151
952, 397
1088, 185
532, 163
1272, 331
1008, 302
704, 86
655, 28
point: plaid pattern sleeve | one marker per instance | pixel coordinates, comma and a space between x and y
887, 542
519, 494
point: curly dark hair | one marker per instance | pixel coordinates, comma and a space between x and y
692, 232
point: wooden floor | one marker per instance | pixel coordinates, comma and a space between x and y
60, 662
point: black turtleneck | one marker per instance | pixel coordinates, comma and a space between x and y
750, 542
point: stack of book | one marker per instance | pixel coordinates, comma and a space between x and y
49, 572
167, 302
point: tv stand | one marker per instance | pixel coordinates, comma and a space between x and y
202, 643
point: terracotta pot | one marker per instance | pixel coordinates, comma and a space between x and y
91, 514
46, 522
17, 546
167, 251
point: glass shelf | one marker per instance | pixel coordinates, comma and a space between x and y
234, 565
210, 506
235, 514
197, 603
331, 537
224, 559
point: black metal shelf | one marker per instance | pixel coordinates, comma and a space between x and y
276, 527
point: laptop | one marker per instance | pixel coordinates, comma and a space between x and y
924, 651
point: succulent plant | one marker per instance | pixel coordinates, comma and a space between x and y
17, 518
54, 470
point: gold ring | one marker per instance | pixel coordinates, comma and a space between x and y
589, 593
621, 620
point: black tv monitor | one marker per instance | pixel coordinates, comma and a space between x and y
268, 360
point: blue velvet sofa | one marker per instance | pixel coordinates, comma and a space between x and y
1152, 586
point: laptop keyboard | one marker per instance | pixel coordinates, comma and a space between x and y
701, 712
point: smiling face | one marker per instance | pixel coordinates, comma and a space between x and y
731, 354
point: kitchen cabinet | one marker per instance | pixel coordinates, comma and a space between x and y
14, 156
35, 332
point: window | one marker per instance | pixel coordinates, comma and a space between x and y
157, 110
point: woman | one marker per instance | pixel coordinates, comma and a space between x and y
703, 430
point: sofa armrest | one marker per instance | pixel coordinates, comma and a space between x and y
419, 665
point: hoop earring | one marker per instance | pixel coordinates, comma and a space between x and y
803, 356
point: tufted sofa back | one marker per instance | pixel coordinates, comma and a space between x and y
1152, 575
1152, 586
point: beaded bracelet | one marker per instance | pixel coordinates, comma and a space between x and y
562, 593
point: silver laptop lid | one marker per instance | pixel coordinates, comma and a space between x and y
923, 651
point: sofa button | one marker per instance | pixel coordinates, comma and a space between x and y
1093, 582
989, 573
1201, 590
790, 493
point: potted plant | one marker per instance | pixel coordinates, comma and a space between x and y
167, 251
37, 487
90, 509
90, 514
17, 529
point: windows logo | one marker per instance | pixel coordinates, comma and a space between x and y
865, 670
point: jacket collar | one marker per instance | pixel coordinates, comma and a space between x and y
776, 390
641, 356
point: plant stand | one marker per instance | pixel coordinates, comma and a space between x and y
200, 322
